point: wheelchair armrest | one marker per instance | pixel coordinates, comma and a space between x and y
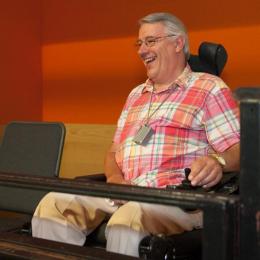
229, 184
100, 177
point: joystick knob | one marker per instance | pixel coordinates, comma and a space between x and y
186, 183
187, 173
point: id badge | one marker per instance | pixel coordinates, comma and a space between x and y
143, 135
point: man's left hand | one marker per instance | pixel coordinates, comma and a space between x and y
206, 171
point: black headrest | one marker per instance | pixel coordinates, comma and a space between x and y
212, 58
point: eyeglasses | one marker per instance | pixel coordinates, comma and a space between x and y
151, 41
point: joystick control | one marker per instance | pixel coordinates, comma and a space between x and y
185, 184
228, 184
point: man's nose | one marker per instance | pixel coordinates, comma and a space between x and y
142, 48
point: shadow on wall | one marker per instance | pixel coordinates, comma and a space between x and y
90, 63
66, 21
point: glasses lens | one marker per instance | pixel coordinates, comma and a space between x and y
149, 42
138, 43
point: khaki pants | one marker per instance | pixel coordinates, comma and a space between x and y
70, 218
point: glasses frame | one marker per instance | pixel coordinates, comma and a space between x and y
150, 41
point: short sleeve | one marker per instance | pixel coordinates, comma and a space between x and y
221, 118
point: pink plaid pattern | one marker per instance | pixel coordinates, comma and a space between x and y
199, 115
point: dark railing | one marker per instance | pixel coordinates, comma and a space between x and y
219, 235
249, 224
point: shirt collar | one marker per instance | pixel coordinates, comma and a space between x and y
181, 81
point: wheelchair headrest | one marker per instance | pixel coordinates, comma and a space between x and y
212, 58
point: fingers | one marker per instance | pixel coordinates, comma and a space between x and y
206, 172
213, 178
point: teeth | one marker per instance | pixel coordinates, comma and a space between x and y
149, 59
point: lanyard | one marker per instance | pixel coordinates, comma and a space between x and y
149, 116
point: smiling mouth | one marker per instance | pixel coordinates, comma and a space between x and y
149, 60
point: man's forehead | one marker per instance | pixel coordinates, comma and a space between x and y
150, 29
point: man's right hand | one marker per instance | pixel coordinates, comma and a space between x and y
117, 179
112, 171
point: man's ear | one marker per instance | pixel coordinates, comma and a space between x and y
179, 43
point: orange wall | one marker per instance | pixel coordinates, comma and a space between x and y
90, 64
20, 61
74, 61
88, 81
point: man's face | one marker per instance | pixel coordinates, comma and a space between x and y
159, 59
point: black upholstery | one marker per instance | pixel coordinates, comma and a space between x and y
212, 58
31, 148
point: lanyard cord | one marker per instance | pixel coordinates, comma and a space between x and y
157, 108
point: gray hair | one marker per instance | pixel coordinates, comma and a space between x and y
173, 26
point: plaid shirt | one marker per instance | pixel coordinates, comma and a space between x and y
197, 114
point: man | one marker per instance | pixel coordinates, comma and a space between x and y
177, 119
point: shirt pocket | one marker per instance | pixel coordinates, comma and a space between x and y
180, 117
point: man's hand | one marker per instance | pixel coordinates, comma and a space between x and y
118, 179
206, 171
116, 202
112, 171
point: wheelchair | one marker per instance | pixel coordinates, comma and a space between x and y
211, 59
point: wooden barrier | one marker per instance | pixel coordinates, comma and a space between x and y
85, 149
